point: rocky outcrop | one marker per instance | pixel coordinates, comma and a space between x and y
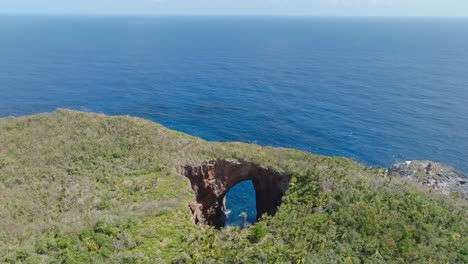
211, 181
432, 174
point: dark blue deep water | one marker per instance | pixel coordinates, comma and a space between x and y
378, 90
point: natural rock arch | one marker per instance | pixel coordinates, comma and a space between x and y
211, 181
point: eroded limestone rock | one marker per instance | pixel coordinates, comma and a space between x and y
432, 174
211, 181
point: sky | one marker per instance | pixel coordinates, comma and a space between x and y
241, 7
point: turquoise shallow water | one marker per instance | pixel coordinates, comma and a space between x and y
377, 90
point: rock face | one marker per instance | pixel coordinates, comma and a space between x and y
211, 181
432, 174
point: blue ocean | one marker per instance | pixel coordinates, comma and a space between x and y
377, 90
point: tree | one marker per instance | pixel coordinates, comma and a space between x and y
244, 215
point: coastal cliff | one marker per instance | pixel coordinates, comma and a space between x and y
81, 187
212, 180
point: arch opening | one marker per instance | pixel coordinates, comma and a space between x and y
211, 181
240, 204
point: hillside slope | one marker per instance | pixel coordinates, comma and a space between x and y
88, 188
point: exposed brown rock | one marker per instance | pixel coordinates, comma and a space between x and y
211, 181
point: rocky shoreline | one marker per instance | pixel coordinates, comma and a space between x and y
435, 175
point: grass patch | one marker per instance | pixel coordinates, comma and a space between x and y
88, 188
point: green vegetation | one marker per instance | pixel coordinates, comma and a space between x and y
88, 188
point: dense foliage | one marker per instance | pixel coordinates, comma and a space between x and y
351, 220
87, 188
